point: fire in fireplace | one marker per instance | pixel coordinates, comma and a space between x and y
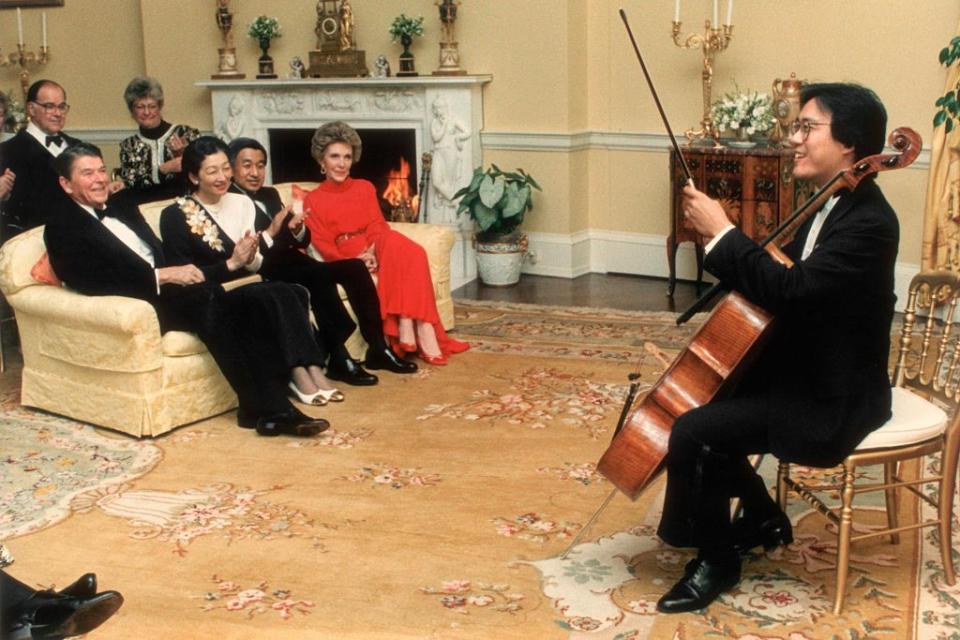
388, 161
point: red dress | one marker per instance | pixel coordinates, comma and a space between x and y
344, 219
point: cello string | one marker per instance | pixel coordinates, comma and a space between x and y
586, 527
656, 99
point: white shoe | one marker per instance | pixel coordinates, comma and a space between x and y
318, 399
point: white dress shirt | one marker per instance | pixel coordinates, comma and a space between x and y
54, 149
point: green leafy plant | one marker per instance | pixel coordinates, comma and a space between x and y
496, 200
405, 27
947, 107
264, 28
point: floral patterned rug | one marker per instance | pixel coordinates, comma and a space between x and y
436, 507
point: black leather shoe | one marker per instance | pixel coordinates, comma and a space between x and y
385, 358
84, 587
771, 533
703, 580
49, 615
292, 423
349, 370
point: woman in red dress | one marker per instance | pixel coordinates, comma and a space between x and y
345, 222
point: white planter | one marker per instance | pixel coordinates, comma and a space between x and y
499, 261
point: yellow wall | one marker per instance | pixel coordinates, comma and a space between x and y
559, 66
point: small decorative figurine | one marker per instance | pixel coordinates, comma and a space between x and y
381, 68
297, 69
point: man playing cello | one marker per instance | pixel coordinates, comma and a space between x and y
821, 384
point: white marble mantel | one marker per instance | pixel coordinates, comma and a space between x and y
445, 112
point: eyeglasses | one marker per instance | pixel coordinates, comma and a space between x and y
50, 106
804, 127
146, 107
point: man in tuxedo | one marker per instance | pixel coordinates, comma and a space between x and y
282, 241
30, 155
821, 384
99, 250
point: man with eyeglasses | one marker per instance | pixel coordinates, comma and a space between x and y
30, 155
820, 385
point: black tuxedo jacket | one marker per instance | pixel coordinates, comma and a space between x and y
93, 261
833, 311
36, 190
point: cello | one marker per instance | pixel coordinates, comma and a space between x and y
709, 367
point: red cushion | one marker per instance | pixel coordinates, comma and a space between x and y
43, 272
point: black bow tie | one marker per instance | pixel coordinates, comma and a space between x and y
102, 213
56, 140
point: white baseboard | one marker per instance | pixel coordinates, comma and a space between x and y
601, 251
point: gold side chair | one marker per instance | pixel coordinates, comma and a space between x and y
926, 391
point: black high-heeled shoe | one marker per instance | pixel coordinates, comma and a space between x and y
748, 534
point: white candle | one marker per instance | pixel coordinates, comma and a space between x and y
19, 27
676, 11
43, 17
716, 19
729, 12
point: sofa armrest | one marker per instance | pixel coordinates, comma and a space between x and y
111, 333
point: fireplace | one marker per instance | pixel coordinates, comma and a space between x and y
388, 160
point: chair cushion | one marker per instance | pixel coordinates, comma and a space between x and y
180, 344
914, 420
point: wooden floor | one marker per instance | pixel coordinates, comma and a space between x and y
615, 291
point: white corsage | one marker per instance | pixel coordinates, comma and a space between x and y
200, 223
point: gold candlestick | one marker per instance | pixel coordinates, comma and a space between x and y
24, 59
710, 42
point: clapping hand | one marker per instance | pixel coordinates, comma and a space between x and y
369, 257
244, 251
176, 145
276, 225
6, 183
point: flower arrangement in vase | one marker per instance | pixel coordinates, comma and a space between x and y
404, 28
745, 114
263, 30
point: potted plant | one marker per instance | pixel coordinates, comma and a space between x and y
263, 30
745, 114
405, 28
497, 200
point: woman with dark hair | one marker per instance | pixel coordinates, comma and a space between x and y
214, 230
345, 220
152, 156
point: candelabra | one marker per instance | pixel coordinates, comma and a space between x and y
24, 59
712, 41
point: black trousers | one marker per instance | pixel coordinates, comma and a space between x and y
707, 465
255, 333
13, 593
321, 279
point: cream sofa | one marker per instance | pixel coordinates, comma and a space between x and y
102, 360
